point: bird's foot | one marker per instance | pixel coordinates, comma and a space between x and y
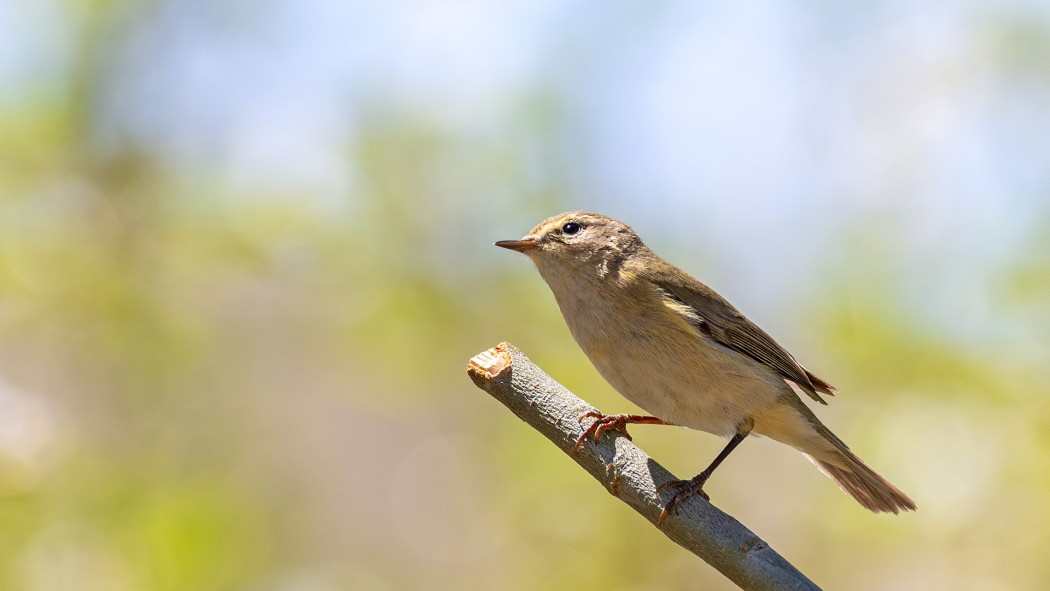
684, 488
616, 422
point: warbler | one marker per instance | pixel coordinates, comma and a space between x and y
677, 349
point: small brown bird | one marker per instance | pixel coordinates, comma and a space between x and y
674, 347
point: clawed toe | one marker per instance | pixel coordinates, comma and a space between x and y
603, 423
588, 415
685, 489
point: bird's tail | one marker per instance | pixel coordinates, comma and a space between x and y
797, 426
856, 479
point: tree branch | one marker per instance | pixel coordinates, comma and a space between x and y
630, 474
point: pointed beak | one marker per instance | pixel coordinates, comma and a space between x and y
519, 245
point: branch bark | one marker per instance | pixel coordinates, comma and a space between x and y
630, 474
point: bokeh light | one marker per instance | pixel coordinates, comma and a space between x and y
245, 253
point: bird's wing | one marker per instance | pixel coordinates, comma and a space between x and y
717, 319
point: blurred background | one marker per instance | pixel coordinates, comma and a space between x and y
245, 254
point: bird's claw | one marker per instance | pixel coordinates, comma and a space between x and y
601, 424
685, 488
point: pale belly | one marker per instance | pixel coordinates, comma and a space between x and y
678, 375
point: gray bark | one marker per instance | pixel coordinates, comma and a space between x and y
630, 474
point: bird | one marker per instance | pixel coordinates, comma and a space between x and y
679, 350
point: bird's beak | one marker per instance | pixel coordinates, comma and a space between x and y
524, 245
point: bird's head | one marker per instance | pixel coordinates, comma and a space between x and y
576, 241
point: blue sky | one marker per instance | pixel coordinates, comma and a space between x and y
701, 123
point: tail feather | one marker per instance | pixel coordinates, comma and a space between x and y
865, 485
796, 425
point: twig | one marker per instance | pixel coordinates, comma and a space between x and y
630, 474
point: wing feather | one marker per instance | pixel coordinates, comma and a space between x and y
717, 319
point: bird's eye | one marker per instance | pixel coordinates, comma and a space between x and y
571, 228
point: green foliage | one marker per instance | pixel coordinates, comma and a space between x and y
205, 386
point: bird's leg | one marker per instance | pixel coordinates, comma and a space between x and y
695, 485
618, 422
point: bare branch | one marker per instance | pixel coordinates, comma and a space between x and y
630, 474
